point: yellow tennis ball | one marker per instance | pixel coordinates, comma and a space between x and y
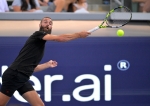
120, 32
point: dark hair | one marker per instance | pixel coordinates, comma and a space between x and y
24, 5
77, 0
43, 18
70, 8
51, 0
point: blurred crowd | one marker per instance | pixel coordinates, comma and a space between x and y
76, 6
144, 5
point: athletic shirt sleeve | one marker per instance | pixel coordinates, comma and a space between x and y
39, 34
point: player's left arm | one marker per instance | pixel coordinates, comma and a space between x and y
49, 64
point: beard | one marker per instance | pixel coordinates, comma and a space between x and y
45, 29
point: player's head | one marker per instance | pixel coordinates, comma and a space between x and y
46, 25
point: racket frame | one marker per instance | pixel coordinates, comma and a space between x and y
105, 20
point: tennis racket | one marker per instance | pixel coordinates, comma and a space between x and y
115, 18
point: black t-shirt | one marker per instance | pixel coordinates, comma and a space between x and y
31, 54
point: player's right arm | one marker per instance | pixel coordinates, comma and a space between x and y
66, 37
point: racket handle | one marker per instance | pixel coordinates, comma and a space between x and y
94, 29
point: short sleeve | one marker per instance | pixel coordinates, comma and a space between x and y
37, 3
39, 34
16, 3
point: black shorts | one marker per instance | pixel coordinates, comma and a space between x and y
13, 80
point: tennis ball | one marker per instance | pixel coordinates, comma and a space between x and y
120, 32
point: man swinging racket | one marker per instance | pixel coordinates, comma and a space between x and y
18, 73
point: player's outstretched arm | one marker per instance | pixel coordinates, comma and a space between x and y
49, 64
66, 37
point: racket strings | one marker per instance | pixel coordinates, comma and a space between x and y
117, 19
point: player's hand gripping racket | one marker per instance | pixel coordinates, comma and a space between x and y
115, 18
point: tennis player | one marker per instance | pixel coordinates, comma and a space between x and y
18, 73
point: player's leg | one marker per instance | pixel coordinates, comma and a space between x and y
9, 85
33, 98
3, 99
28, 93
11, 81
